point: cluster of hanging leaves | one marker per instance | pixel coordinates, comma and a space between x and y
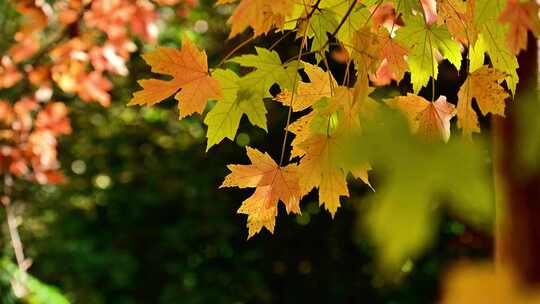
382, 40
60, 50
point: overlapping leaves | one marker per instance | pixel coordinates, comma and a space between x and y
414, 38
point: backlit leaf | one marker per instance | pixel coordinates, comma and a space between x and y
189, 69
272, 184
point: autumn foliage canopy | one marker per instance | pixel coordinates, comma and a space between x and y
341, 123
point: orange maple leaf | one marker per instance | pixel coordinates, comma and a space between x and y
431, 120
260, 15
394, 53
272, 183
189, 69
522, 17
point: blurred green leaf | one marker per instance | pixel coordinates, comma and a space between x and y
38, 292
415, 179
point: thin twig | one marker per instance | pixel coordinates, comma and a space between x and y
341, 23
241, 45
16, 243
289, 113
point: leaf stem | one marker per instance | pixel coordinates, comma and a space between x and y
241, 45
289, 113
424, 17
341, 23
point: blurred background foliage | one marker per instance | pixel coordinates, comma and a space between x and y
141, 218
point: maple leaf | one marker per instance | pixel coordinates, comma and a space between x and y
321, 23
407, 7
383, 76
493, 41
352, 105
268, 71
301, 130
482, 85
224, 118
486, 11
319, 167
367, 50
357, 19
394, 54
521, 17
320, 138
272, 183
414, 176
423, 40
431, 120
189, 69
260, 15
458, 16
307, 93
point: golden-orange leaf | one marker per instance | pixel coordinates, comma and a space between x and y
321, 84
482, 85
260, 15
431, 120
272, 183
319, 168
189, 69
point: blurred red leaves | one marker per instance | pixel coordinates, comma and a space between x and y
28, 139
69, 48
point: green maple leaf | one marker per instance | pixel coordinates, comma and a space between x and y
502, 58
406, 7
492, 40
224, 118
487, 10
418, 179
358, 18
321, 23
269, 70
423, 41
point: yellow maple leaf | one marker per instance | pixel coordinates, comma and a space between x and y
260, 15
320, 137
355, 104
319, 167
301, 130
189, 69
431, 120
482, 85
272, 183
321, 84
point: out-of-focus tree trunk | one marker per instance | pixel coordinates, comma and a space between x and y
517, 195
